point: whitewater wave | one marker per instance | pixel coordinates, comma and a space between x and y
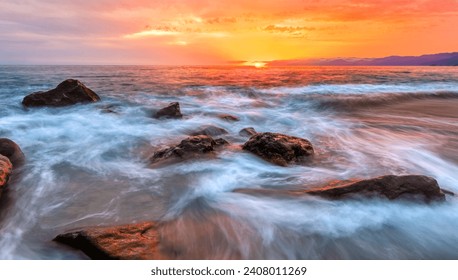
86, 167
359, 89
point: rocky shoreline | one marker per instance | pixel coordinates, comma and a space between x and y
144, 240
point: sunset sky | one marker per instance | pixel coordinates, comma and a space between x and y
220, 31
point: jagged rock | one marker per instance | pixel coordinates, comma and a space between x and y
68, 92
228, 117
191, 147
170, 111
11, 150
6, 167
279, 148
209, 130
247, 132
137, 241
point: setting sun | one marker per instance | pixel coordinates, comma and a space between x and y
259, 64
217, 32
256, 64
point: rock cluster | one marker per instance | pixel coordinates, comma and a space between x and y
143, 240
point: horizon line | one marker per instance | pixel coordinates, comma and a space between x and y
246, 63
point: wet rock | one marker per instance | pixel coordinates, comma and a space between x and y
171, 111
221, 142
6, 167
279, 148
68, 92
209, 130
389, 186
191, 147
411, 187
136, 242
12, 151
193, 235
228, 117
247, 132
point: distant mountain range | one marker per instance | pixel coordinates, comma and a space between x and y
439, 59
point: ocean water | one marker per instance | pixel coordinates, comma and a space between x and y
86, 167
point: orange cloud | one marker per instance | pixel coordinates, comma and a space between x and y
209, 32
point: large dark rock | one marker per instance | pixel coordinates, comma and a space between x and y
279, 148
68, 92
191, 147
11, 150
137, 241
389, 186
209, 130
5, 171
171, 111
247, 132
410, 187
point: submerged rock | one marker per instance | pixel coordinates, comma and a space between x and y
389, 186
209, 130
12, 151
170, 111
191, 147
109, 108
247, 132
228, 117
279, 148
68, 92
5, 171
137, 242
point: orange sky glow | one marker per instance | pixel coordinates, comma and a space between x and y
219, 32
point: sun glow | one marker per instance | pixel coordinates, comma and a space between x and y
147, 33
256, 64
259, 64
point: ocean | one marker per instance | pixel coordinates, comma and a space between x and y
86, 167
